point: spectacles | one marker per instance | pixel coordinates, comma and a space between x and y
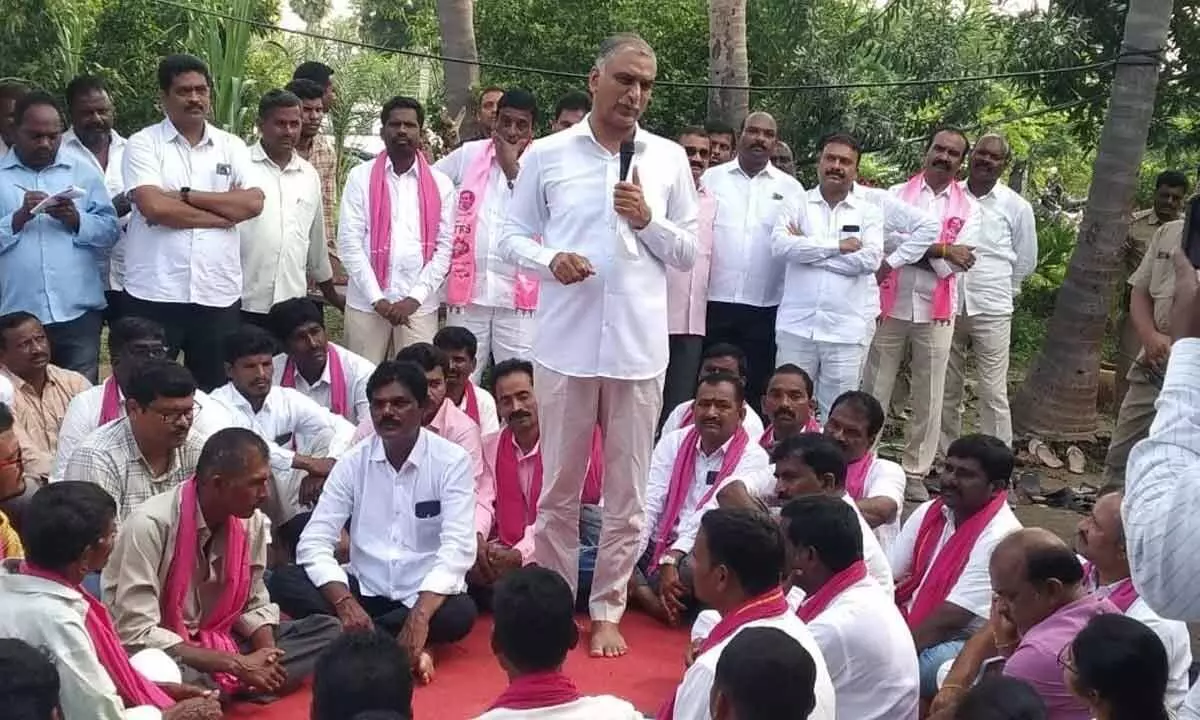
172, 418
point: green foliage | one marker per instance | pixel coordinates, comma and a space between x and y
225, 45
400, 24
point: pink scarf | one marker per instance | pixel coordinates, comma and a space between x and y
683, 474
215, 628
472, 402
537, 690
835, 586
460, 284
133, 687
110, 403
763, 607
944, 567
429, 201
857, 473
1122, 593
339, 401
953, 219
767, 441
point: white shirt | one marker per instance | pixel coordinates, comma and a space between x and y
887, 479
408, 273
914, 294
908, 232
870, 655
743, 269
200, 265
1191, 705
285, 244
412, 530
594, 707
489, 421
876, 560
1161, 511
356, 369
112, 267
1178, 644
752, 423
691, 698
752, 468
564, 193
973, 590
83, 418
824, 290
1006, 251
494, 274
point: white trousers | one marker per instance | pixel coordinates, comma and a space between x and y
568, 410
988, 336
502, 333
377, 340
834, 367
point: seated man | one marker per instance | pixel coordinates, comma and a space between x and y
329, 374
1101, 541
535, 629
156, 446
762, 675
410, 499
867, 646
721, 357
29, 684
41, 391
12, 482
360, 673
131, 340
186, 577
1040, 604
514, 459
460, 347
739, 560
875, 484
69, 529
687, 467
303, 437
789, 405
941, 555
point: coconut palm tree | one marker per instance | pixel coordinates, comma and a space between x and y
456, 18
727, 60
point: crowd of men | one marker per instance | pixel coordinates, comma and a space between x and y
722, 345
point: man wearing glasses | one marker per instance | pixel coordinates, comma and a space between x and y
12, 481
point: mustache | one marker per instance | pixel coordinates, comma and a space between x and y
520, 415
941, 164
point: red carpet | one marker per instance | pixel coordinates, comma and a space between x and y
468, 678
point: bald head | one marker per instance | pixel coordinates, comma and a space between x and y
757, 143
1037, 555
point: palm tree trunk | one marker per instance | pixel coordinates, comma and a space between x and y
727, 61
456, 19
1058, 398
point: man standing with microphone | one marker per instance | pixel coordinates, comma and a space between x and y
614, 205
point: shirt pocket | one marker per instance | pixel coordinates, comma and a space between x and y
428, 521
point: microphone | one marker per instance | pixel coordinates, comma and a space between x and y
626, 159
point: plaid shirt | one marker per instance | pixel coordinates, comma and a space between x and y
323, 157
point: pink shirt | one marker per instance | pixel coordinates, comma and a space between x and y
526, 467
457, 427
1036, 658
687, 291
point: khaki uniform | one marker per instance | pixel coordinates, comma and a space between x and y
1156, 275
1142, 228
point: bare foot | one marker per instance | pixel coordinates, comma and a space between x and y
424, 670
607, 640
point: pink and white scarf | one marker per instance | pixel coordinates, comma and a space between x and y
339, 400
429, 202
110, 402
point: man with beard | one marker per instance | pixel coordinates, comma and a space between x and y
783, 158
51, 259
485, 293
789, 405
318, 151
1006, 254
284, 246
831, 243
92, 135
723, 138
570, 110
687, 291
746, 283
918, 303
395, 236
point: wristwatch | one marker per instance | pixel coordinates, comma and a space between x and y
667, 559
183, 194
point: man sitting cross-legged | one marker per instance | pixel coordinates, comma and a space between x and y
789, 405
69, 529
514, 458
460, 347
687, 467
186, 577
410, 499
535, 629
720, 357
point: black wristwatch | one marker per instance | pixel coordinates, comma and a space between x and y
183, 194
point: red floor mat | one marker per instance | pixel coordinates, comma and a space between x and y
468, 678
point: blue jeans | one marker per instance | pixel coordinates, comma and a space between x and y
75, 344
931, 659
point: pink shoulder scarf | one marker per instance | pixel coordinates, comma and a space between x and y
1122, 593
216, 627
683, 473
940, 570
767, 441
460, 284
537, 690
110, 402
133, 687
857, 473
472, 399
429, 200
958, 208
834, 587
339, 402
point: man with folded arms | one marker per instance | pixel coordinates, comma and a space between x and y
941, 556
186, 577
867, 647
461, 350
789, 405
